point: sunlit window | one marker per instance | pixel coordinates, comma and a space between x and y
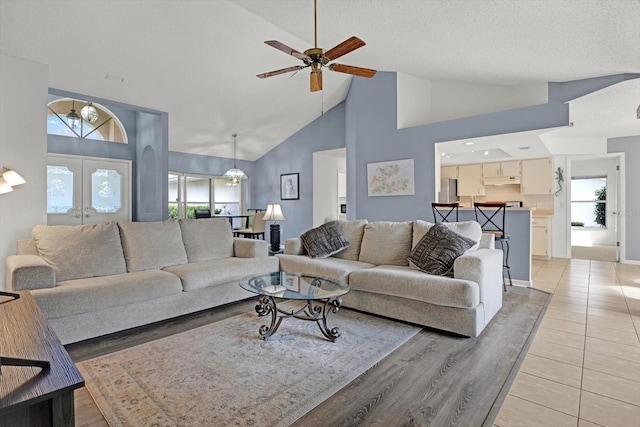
589, 202
81, 119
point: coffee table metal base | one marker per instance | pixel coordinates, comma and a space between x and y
314, 310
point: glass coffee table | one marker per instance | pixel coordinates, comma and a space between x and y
322, 295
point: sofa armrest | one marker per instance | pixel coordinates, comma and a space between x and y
294, 246
25, 272
250, 248
487, 241
483, 266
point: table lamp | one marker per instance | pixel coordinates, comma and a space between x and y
274, 213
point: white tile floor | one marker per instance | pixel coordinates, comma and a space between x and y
583, 368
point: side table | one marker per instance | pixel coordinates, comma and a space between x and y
32, 396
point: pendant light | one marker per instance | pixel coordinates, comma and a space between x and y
89, 113
73, 120
234, 175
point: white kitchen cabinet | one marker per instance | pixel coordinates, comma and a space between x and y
497, 169
541, 237
470, 180
537, 176
449, 172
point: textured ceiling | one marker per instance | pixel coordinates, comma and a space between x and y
197, 60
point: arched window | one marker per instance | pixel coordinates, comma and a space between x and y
82, 119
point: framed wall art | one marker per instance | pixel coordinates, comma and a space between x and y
391, 178
289, 186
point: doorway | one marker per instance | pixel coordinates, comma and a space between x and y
595, 229
329, 185
84, 190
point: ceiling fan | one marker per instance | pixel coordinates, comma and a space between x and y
316, 57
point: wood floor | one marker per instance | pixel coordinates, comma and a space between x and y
406, 388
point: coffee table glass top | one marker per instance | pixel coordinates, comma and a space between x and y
298, 286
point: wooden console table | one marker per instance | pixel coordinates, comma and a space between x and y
32, 396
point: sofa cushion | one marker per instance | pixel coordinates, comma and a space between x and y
353, 231
386, 243
215, 272
334, 268
325, 240
411, 283
97, 293
207, 238
80, 251
152, 245
469, 229
438, 249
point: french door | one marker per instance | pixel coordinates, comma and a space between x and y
82, 190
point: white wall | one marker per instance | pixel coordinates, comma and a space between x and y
23, 147
326, 166
560, 239
422, 101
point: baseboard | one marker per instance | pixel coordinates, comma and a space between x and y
521, 283
629, 261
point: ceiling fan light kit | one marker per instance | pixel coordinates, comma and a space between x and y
316, 58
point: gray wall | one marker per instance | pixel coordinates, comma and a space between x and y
631, 147
295, 154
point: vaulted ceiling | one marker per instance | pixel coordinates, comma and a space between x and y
198, 60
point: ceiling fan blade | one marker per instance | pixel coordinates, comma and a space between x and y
288, 50
282, 71
350, 69
343, 48
316, 80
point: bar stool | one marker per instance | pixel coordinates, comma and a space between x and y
441, 211
491, 216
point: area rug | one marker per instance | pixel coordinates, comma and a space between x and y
224, 373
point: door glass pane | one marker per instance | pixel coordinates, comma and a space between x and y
197, 195
59, 189
106, 191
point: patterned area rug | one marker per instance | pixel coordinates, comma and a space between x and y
225, 374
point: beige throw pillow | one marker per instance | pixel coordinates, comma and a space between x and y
353, 232
386, 243
207, 238
80, 251
152, 245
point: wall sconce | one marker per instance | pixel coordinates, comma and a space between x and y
9, 179
274, 213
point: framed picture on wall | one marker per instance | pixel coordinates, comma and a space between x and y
289, 186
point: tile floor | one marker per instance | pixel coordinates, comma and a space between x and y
583, 367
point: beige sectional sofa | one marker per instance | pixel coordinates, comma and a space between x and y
98, 279
384, 283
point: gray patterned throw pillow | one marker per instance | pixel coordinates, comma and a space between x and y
436, 252
324, 241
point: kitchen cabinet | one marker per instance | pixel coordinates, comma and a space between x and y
470, 180
450, 172
511, 169
537, 176
541, 237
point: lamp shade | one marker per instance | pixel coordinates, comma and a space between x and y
273, 213
12, 177
4, 187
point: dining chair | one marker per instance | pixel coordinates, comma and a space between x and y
256, 231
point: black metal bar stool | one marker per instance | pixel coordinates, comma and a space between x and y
491, 217
441, 211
